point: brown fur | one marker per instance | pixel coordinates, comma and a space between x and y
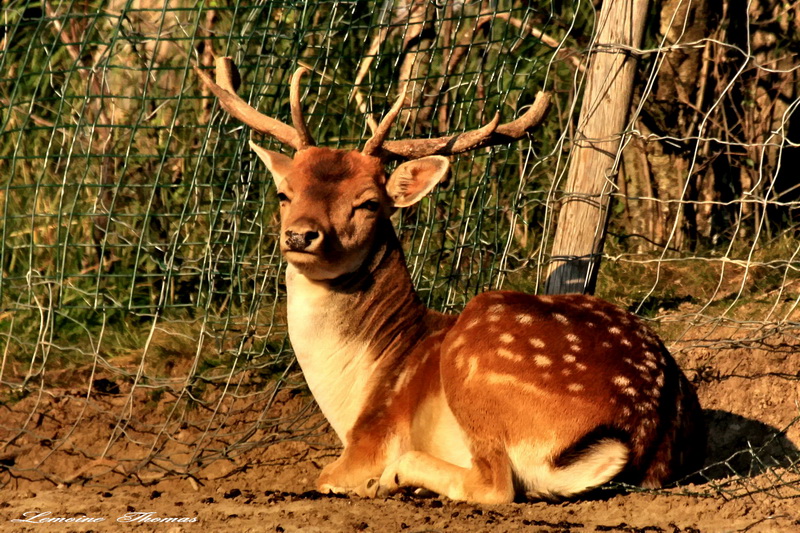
551, 394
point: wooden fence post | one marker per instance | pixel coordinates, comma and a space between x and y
583, 218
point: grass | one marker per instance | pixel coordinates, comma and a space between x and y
142, 205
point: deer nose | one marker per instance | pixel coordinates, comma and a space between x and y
303, 239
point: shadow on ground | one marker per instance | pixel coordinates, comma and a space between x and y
741, 446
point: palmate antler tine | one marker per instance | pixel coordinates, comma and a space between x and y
225, 90
298, 120
491, 134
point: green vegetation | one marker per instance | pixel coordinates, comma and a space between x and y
131, 206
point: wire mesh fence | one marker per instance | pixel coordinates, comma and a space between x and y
142, 320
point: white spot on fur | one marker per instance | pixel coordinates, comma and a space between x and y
546, 299
575, 387
573, 338
621, 381
606, 344
591, 324
561, 318
566, 372
497, 378
614, 330
630, 391
459, 341
506, 338
580, 366
473, 368
626, 342
524, 319
508, 354
575, 348
542, 360
650, 364
660, 380
497, 308
569, 358
473, 323
493, 318
536, 343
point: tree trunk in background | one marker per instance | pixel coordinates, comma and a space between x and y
580, 232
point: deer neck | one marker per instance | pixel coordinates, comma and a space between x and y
352, 332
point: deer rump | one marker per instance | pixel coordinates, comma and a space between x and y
548, 396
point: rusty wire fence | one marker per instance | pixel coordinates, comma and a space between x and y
142, 321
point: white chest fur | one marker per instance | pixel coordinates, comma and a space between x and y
338, 370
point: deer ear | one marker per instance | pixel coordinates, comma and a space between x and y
411, 181
277, 164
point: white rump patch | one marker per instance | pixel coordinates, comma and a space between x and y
533, 468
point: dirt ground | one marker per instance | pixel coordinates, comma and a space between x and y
750, 394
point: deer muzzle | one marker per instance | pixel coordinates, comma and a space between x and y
303, 240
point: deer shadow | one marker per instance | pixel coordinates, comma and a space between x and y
740, 446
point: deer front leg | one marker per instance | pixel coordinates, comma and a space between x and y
489, 479
348, 474
361, 461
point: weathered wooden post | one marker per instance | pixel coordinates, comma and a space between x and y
583, 218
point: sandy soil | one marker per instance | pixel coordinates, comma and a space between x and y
750, 395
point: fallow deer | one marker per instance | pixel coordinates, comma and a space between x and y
547, 396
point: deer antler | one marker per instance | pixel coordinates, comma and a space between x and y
491, 134
227, 81
299, 138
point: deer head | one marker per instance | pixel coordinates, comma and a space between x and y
333, 201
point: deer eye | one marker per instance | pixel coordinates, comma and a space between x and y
369, 205
282, 198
